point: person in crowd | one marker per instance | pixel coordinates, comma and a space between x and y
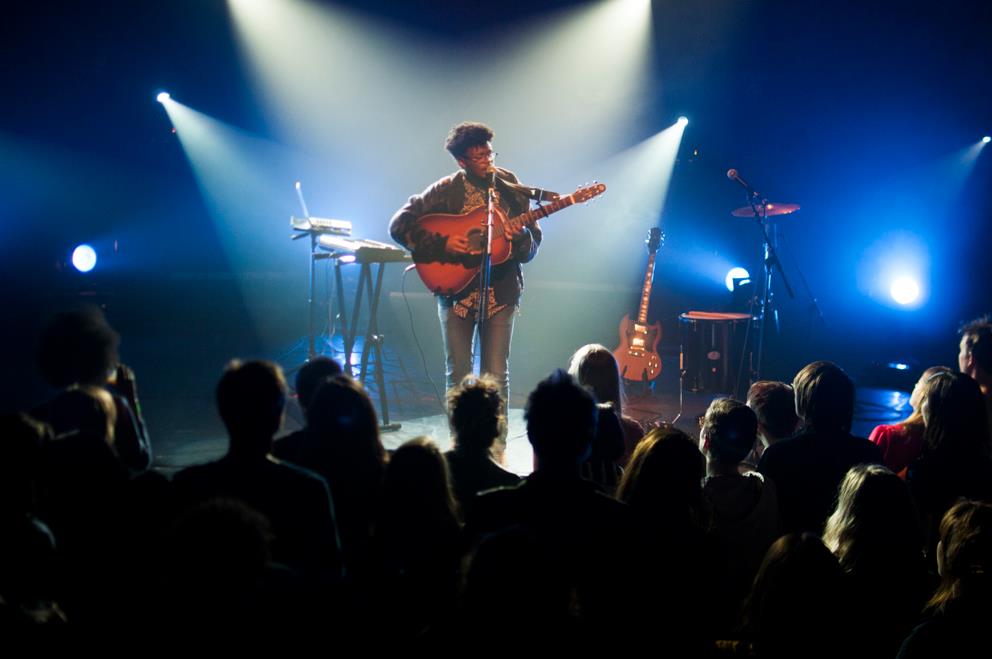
417, 541
799, 604
595, 367
589, 533
743, 507
28, 585
875, 534
308, 378
775, 405
251, 398
79, 349
663, 487
901, 443
955, 458
342, 444
957, 620
808, 468
975, 356
477, 417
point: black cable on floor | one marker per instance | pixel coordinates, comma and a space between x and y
420, 349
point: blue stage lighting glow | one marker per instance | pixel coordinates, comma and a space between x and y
683, 121
904, 290
84, 258
162, 97
899, 366
986, 139
736, 273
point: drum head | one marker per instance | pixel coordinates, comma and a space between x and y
714, 315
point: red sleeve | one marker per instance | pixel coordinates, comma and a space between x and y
882, 437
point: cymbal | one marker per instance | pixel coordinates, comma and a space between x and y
770, 209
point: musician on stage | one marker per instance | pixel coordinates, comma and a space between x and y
471, 146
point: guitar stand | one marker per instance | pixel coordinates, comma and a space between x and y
647, 385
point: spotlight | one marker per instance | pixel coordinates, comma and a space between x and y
736, 277
682, 121
986, 139
162, 97
904, 290
84, 258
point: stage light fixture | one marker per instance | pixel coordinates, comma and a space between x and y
735, 277
84, 258
682, 121
162, 97
904, 290
986, 139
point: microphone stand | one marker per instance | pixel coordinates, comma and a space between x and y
484, 271
758, 206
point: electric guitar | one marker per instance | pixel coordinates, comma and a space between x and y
637, 354
456, 271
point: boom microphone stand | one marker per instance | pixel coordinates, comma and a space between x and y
760, 211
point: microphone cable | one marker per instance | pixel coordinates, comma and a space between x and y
416, 340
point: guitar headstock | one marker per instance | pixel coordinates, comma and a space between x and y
654, 240
582, 195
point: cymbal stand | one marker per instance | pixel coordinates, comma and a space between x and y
771, 262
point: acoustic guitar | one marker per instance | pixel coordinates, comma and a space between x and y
637, 354
456, 271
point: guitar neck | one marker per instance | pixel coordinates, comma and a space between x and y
530, 217
642, 314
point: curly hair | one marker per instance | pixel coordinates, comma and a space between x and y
78, 347
465, 135
476, 412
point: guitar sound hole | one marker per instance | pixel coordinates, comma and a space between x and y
475, 240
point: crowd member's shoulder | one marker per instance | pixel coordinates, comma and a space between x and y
869, 449
289, 446
774, 452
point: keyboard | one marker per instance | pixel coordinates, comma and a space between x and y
362, 249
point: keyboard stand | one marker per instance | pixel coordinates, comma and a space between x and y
373, 341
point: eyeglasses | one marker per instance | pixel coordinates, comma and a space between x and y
482, 157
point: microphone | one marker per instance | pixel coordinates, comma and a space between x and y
734, 176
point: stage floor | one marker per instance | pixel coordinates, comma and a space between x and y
875, 406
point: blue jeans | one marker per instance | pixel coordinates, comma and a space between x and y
458, 335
